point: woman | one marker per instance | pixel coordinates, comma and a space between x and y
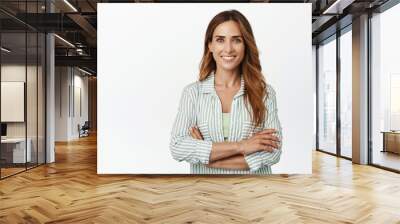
227, 122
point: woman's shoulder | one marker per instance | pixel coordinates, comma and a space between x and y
270, 91
192, 88
270, 96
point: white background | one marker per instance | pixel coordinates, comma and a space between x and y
147, 53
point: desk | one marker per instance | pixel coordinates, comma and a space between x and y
15, 148
391, 141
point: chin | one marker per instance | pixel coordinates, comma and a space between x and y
230, 67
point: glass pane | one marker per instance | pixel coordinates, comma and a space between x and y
346, 94
22, 88
386, 89
13, 86
327, 96
31, 84
31, 101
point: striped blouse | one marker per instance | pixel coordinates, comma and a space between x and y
200, 106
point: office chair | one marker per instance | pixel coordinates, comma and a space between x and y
84, 130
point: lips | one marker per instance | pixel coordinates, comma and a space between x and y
228, 58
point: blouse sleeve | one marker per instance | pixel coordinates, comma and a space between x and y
260, 159
183, 147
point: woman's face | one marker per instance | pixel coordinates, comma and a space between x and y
227, 46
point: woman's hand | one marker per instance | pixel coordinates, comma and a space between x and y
195, 133
261, 141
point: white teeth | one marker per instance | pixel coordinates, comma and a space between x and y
228, 59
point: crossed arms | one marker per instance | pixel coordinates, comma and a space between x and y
261, 149
231, 155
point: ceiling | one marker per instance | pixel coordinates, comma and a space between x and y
76, 22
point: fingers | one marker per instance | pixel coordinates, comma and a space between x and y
195, 133
267, 131
198, 133
192, 133
269, 143
268, 148
266, 136
269, 137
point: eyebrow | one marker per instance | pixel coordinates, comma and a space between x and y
232, 36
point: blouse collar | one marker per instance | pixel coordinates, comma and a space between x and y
207, 85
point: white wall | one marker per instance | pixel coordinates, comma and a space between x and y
80, 84
68, 81
314, 84
61, 103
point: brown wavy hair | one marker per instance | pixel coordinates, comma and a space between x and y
250, 67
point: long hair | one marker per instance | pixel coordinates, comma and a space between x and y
250, 67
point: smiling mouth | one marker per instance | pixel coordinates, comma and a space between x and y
228, 58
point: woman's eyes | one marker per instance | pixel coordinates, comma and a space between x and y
236, 40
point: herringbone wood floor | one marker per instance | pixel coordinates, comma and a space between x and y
70, 191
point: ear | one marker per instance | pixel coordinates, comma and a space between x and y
209, 47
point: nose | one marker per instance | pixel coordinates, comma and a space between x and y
228, 46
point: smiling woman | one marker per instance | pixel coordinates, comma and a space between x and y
227, 45
227, 122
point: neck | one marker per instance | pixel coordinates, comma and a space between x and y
227, 79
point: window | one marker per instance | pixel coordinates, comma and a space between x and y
327, 96
346, 94
385, 88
